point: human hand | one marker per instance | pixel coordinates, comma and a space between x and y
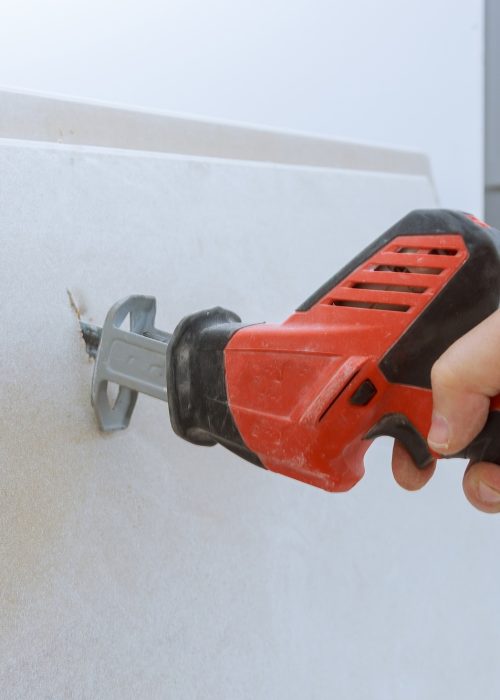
463, 380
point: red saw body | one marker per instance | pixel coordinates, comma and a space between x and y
306, 397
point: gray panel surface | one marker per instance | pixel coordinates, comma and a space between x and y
139, 566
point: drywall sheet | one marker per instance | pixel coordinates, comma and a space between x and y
38, 117
139, 566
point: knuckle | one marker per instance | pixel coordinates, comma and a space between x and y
444, 374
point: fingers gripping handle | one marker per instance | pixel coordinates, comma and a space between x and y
486, 446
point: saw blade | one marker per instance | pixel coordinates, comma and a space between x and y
92, 337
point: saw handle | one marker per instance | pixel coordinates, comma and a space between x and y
485, 447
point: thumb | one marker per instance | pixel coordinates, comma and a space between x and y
463, 380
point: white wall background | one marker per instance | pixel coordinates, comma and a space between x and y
400, 73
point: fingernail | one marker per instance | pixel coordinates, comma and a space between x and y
439, 434
488, 495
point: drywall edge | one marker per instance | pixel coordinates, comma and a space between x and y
38, 117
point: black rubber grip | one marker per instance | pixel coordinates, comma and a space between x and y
196, 381
484, 448
399, 427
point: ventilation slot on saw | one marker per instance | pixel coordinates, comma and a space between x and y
371, 305
413, 259
399, 278
416, 269
389, 287
432, 251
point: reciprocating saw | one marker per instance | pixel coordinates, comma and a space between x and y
306, 397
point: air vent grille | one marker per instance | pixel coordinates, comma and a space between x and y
402, 277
